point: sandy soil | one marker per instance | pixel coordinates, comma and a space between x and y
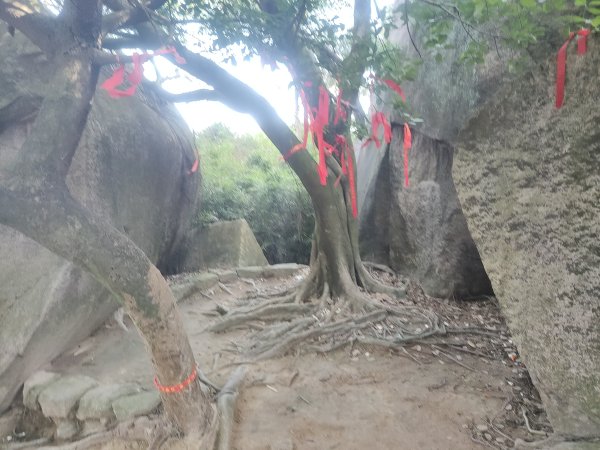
458, 392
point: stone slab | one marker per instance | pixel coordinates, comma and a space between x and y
136, 405
35, 384
195, 284
224, 244
97, 402
282, 270
62, 395
227, 276
251, 272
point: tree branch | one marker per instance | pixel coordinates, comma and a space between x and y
38, 27
120, 43
241, 97
186, 97
355, 64
125, 16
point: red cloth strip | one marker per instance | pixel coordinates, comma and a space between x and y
321, 121
176, 387
561, 62
340, 111
352, 182
194, 168
582, 41
407, 145
113, 84
395, 87
170, 49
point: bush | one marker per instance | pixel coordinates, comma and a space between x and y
244, 177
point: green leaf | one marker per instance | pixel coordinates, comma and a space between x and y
596, 22
580, 2
574, 19
529, 4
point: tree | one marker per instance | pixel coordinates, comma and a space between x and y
34, 198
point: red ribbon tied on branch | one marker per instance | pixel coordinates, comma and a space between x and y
561, 62
115, 85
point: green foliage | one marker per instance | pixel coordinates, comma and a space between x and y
244, 177
513, 24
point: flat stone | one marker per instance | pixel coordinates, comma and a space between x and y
61, 396
251, 271
35, 384
205, 280
227, 276
97, 402
195, 284
65, 429
282, 270
136, 405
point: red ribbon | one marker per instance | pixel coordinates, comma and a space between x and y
395, 87
176, 387
340, 111
114, 84
406, 146
194, 168
561, 62
348, 169
321, 120
378, 119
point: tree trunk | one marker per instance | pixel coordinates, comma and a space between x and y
337, 266
35, 200
336, 269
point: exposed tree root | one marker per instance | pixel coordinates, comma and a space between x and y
226, 408
326, 324
140, 429
555, 441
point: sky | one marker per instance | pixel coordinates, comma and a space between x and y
273, 85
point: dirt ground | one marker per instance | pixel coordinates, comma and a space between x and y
463, 391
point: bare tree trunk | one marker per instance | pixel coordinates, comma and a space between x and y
34, 199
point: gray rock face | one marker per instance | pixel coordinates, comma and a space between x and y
420, 230
221, 245
528, 176
447, 91
131, 168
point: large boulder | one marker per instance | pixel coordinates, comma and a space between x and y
420, 230
223, 244
528, 176
131, 168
